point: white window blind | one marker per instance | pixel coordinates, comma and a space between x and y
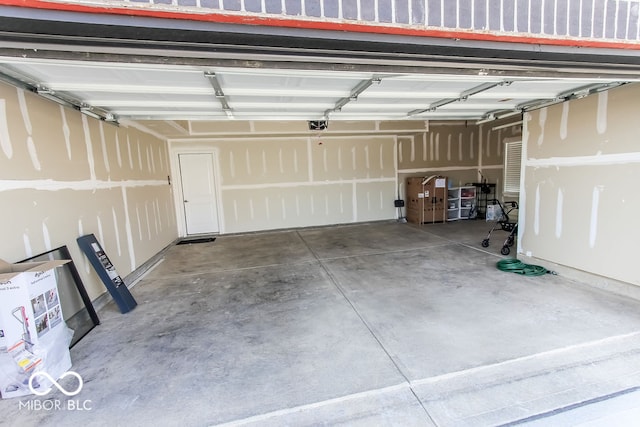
512, 160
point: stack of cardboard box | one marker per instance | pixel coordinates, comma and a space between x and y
427, 199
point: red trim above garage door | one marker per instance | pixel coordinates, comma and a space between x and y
309, 24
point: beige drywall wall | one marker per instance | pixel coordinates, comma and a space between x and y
289, 181
63, 174
580, 198
463, 152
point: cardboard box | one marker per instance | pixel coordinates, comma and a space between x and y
426, 199
33, 334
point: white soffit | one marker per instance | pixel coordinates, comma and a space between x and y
173, 92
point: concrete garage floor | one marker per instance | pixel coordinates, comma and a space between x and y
371, 324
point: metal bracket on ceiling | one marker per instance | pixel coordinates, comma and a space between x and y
577, 93
20, 80
353, 95
500, 114
219, 93
461, 98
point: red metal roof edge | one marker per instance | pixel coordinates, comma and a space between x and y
286, 22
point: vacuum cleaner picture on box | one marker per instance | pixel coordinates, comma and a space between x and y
70, 301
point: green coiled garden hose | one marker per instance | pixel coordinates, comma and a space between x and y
513, 265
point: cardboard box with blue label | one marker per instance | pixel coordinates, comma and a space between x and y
33, 334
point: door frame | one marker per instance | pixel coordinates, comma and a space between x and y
174, 154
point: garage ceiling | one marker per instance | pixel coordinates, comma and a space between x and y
113, 91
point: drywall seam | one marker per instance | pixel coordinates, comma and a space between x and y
66, 131
310, 159
147, 220
117, 231
103, 144
139, 223
5, 138
326, 204
277, 137
564, 121
542, 120
151, 156
601, 121
232, 165
593, 224
354, 162
431, 147
303, 184
480, 141
127, 224
449, 168
325, 159
487, 146
536, 212
87, 141
367, 160
31, 147
559, 213
472, 144
139, 154
594, 160
283, 207
100, 230
264, 162
51, 185
354, 202
412, 157
129, 152
424, 146
242, 135
158, 216
46, 236
27, 245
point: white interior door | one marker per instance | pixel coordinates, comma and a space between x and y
198, 193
